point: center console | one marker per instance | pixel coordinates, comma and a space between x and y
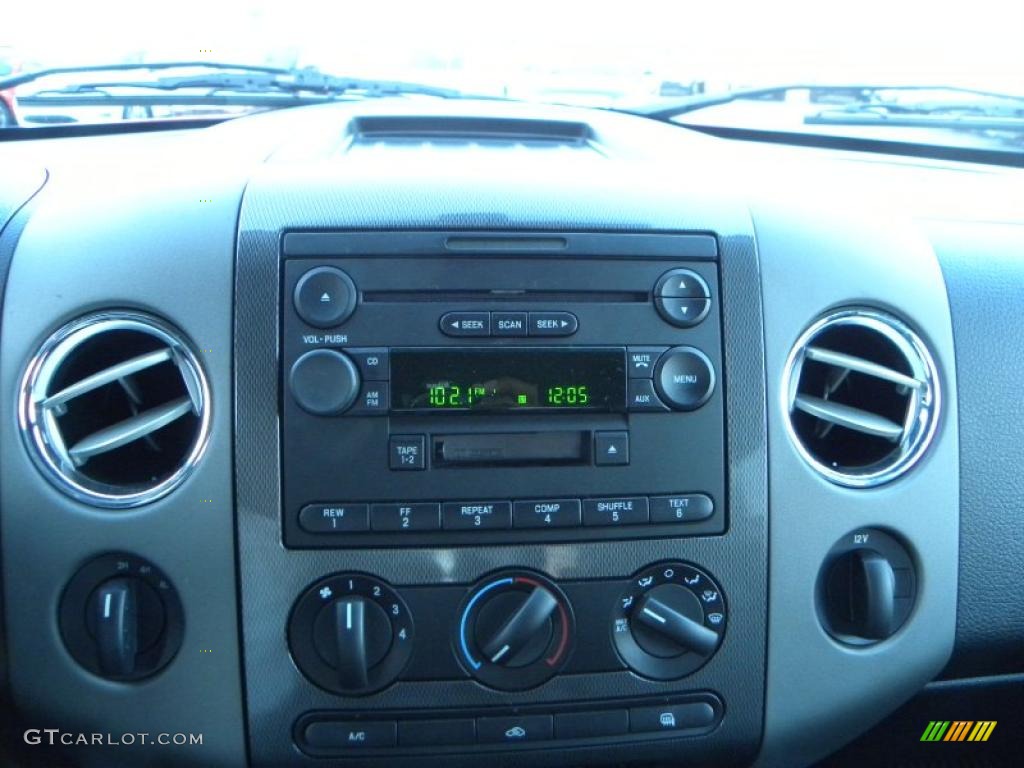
451, 400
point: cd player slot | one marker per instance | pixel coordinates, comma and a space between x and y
511, 449
511, 295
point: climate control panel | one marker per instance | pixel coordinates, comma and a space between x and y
513, 630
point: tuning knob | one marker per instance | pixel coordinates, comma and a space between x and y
351, 634
669, 621
121, 618
515, 630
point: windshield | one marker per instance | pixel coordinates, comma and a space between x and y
629, 57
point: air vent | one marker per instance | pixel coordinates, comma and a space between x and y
115, 409
862, 397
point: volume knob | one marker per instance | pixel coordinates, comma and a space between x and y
324, 382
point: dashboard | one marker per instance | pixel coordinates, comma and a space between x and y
403, 433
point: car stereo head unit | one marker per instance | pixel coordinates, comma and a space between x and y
496, 399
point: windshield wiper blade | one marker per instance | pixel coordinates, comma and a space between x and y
874, 119
858, 94
38, 74
230, 78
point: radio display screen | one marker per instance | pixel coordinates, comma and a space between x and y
508, 380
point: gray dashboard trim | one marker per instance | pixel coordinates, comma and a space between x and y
821, 693
119, 242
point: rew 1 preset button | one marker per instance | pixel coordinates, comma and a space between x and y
476, 515
561, 513
623, 511
334, 518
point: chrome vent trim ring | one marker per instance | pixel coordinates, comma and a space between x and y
40, 409
910, 436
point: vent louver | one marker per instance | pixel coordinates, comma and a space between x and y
862, 397
115, 409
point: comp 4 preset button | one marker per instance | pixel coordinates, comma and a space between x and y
561, 513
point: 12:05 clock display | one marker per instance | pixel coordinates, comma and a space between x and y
426, 380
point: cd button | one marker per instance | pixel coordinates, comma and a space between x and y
553, 324
372, 363
466, 324
508, 323
642, 396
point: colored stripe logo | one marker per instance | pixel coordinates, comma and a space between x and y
958, 730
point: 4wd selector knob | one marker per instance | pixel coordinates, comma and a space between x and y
514, 632
669, 621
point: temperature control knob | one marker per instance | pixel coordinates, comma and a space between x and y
515, 630
351, 634
669, 621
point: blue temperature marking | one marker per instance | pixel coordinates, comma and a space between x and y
462, 625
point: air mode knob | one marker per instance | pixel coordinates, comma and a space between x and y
515, 630
669, 621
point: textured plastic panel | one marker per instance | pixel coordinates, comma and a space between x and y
542, 192
816, 257
984, 273
160, 240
